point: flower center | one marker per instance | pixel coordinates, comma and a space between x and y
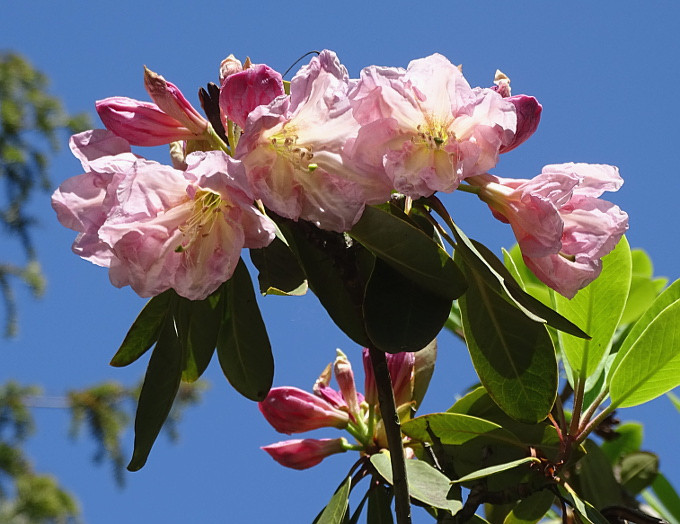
435, 133
206, 209
285, 143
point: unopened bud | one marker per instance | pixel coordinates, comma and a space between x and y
305, 453
345, 378
229, 66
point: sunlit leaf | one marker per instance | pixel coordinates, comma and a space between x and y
161, 383
651, 366
335, 510
629, 439
425, 483
491, 470
582, 508
455, 428
243, 346
512, 354
597, 309
145, 330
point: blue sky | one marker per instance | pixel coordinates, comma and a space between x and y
606, 73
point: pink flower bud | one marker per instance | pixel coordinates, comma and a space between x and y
400, 366
172, 102
304, 453
242, 92
345, 378
229, 66
322, 389
528, 116
292, 410
141, 123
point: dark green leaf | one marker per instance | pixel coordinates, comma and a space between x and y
161, 383
335, 510
197, 324
638, 470
629, 439
663, 498
337, 271
596, 478
409, 251
243, 346
399, 314
498, 468
585, 510
512, 354
379, 505
145, 330
425, 483
531, 509
279, 271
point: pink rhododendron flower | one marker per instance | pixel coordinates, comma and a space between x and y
401, 368
141, 123
305, 453
292, 410
156, 227
293, 151
230, 66
561, 226
241, 92
425, 127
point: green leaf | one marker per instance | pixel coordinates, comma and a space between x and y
651, 366
398, 313
638, 470
663, 498
379, 505
410, 252
423, 368
629, 439
337, 271
674, 399
145, 329
243, 346
481, 261
513, 355
455, 428
597, 308
596, 478
491, 470
531, 509
197, 324
161, 383
279, 271
335, 510
425, 483
582, 508
665, 299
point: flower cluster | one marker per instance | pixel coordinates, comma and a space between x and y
291, 410
321, 153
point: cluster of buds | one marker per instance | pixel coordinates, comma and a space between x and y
291, 410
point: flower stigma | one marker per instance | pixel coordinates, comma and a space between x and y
207, 207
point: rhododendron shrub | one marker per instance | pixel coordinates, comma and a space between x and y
333, 184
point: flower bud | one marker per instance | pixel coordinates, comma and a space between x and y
502, 83
305, 453
322, 389
345, 378
229, 66
400, 366
528, 116
170, 100
141, 123
292, 410
242, 92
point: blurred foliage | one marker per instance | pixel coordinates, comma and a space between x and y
104, 411
32, 123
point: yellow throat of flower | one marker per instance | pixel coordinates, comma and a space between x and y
207, 207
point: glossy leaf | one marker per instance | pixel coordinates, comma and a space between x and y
651, 366
582, 508
629, 439
279, 271
161, 383
336, 271
410, 252
425, 483
512, 354
665, 299
335, 510
399, 314
455, 428
638, 470
531, 509
145, 330
243, 346
491, 470
597, 308
379, 506
198, 323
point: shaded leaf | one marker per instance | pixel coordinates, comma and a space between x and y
425, 483
596, 478
161, 383
531, 509
512, 354
399, 314
243, 346
629, 439
638, 470
582, 508
335, 510
279, 271
663, 498
379, 505
491, 470
145, 329
410, 252
197, 324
